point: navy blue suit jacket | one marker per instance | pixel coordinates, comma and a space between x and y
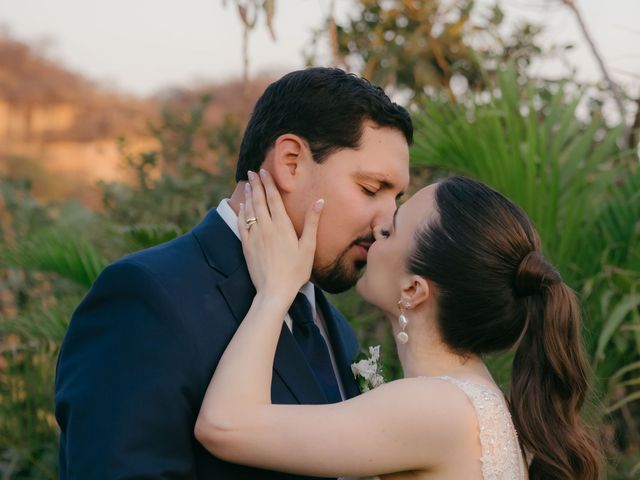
141, 349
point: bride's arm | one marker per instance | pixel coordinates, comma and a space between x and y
400, 426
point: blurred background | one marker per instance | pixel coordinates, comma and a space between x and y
120, 123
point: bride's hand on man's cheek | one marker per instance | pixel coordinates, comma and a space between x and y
278, 261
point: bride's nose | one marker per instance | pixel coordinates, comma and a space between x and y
379, 232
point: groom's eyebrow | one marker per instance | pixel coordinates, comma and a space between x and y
380, 179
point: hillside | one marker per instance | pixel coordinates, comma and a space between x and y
59, 129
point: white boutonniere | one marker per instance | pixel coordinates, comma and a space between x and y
368, 372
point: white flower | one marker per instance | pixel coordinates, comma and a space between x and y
369, 371
375, 353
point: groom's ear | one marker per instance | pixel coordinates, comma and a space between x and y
290, 153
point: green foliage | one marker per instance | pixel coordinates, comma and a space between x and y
34, 308
61, 250
67, 255
525, 141
422, 48
176, 183
543, 144
402, 43
28, 433
582, 193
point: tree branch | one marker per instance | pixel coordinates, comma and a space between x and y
613, 86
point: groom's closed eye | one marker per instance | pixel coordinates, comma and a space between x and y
372, 178
369, 191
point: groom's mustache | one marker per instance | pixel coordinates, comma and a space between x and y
365, 241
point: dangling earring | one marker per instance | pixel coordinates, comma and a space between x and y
402, 336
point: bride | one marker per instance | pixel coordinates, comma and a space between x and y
460, 275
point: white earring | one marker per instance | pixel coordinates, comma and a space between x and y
402, 336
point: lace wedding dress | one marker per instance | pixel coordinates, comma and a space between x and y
501, 455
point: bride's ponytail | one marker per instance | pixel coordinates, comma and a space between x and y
550, 377
495, 289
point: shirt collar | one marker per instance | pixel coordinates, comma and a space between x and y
231, 219
229, 216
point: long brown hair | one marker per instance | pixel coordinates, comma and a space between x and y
495, 289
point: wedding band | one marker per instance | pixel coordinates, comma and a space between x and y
251, 221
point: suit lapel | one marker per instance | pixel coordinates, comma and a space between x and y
223, 252
344, 350
289, 362
220, 246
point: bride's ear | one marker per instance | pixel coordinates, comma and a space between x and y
415, 291
289, 156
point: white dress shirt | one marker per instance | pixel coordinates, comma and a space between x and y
231, 219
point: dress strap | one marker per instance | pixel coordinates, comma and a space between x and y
501, 454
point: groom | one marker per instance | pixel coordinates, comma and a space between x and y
142, 346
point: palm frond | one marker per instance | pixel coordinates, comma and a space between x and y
71, 257
532, 148
145, 236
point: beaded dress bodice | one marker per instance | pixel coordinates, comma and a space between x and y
501, 455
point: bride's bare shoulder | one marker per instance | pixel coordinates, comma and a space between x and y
435, 404
436, 390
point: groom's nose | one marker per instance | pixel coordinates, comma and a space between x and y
383, 221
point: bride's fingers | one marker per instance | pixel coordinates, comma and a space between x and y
260, 208
310, 232
249, 211
242, 224
274, 199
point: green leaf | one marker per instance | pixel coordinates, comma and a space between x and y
620, 403
70, 256
625, 306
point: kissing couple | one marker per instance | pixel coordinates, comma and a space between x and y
217, 355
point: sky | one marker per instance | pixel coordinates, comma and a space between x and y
143, 46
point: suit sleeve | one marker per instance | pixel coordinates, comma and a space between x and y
125, 401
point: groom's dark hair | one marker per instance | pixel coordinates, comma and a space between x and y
325, 106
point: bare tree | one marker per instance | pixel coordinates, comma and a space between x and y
249, 12
616, 92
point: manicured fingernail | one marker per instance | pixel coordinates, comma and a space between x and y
263, 173
241, 206
318, 205
251, 175
247, 187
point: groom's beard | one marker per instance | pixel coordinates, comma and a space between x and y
341, 274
